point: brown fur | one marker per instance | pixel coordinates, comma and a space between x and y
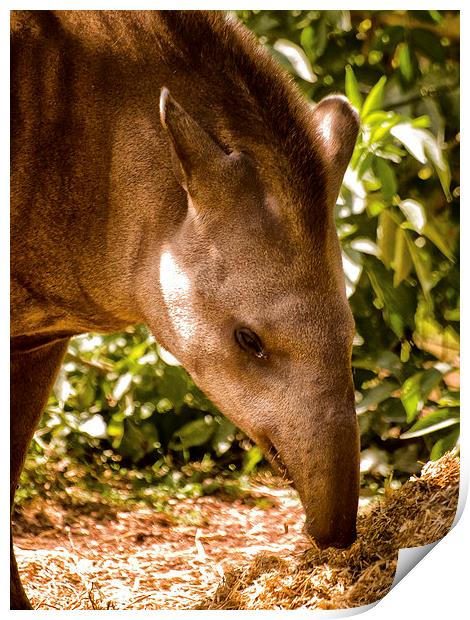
215, 216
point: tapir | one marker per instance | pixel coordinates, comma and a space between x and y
166, 170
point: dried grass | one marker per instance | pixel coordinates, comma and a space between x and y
419, 513
239, 556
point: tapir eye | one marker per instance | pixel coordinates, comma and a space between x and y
250, 342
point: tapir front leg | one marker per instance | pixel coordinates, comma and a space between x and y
32, 375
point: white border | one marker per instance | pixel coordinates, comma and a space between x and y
438, 586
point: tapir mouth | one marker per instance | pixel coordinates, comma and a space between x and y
275, 460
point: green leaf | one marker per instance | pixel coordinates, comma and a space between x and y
115, 428
386, 231
374, 207
384, 360
387, 178
374, 98
379, 132
432, 232
416, 389
421, 121
195, 433
452, 314
174, 385
251, 459
432, 422
307, 41
398, 305
404, 61
421, 268
375, 396
321, 37
137, 441
446, 443
352, 88
402, 262
430, 380
223, 436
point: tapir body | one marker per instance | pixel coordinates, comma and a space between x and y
166, 170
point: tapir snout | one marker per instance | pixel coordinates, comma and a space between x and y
321, 459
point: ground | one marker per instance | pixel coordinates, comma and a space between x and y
217, 552
140, 559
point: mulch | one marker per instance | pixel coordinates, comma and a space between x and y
221, 553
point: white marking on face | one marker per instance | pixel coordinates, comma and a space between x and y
176, 290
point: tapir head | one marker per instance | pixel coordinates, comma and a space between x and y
256, 307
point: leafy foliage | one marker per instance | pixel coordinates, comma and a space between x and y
397, 219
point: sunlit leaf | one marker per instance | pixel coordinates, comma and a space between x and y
404, 61
414, 213
354, 201
412, 138
62, 388
423, 146
122, 386
352, 266
352, 88
167, 357
251, 459
374, 98
367, 246
94, 426
432, 422
297, 58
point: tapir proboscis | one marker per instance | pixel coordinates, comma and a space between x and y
166, 171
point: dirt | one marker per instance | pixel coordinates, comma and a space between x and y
97, 557
221, 553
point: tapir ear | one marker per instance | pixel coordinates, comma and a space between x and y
336, 124
195, 153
